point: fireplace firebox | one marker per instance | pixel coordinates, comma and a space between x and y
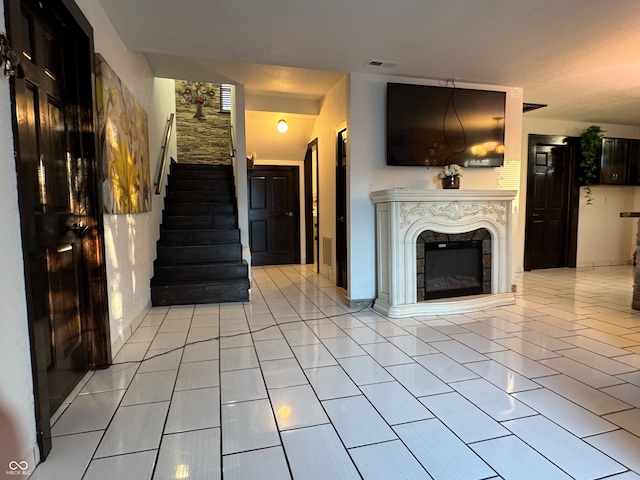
452, 269
453, 265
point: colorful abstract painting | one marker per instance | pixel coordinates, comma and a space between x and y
125, 145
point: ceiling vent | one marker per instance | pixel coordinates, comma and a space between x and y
528, 107
382, 63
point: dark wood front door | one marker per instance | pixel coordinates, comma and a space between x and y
551, 226
59, 203
274, 215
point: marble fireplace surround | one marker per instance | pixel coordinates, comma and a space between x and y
402, 214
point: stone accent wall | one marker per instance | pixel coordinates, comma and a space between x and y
429, 236
202, 133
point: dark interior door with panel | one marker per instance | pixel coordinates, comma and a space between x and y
274, 215
550, 231
59, 202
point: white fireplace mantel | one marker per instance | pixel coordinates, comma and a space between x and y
403, 214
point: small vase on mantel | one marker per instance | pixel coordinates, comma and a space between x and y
451, 181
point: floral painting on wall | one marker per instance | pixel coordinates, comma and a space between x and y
124, 137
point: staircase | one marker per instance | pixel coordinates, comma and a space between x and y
199, 254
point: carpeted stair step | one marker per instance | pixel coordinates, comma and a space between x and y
201, 292
197, 197
176, 274
199, 222
201, 185
182, 209
199, 237
176, 255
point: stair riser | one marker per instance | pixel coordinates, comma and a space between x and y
200, 167
172, 274
201, 175
199, 237
222, 188
200, 223
200, 254
199, 209
198, 197
189, 294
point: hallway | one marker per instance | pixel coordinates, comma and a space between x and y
295, 385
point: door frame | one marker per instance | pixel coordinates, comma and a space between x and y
94, 304
342, 256
573, 195
312, 242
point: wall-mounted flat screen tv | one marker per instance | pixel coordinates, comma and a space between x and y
435, 126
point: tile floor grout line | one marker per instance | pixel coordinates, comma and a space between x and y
173, 391
221, 337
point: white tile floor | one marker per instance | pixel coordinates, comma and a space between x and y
296, 385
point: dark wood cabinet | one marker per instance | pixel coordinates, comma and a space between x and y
614, 166
634, 162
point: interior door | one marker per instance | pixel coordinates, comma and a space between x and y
58, 199
341, 210
274, 215
551, 226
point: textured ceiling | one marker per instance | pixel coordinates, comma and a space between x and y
581, 57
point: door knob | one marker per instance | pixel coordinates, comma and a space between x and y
289, 214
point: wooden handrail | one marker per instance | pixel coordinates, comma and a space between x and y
163, 159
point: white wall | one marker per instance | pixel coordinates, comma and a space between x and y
368, 171
16, 387
332, 119
603, 237
130, 239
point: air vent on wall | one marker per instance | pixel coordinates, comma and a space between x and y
327, 250
528, 107
382, 63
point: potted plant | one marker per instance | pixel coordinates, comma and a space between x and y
590, 143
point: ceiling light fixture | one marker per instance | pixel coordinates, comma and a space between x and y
282, 126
